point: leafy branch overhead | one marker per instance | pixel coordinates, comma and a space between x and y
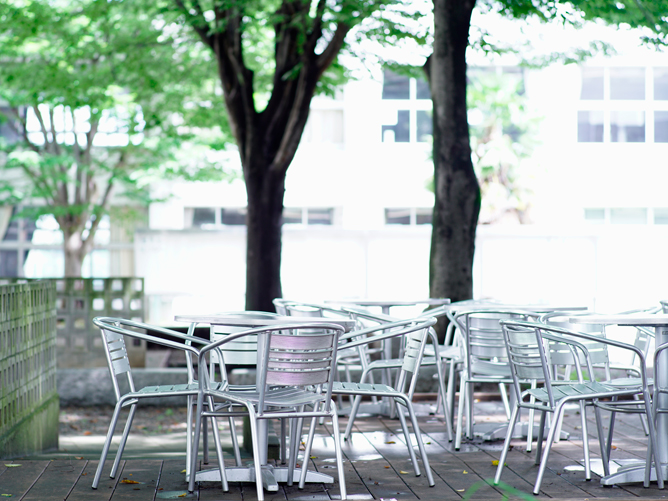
98, 99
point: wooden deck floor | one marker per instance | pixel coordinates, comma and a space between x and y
376, 464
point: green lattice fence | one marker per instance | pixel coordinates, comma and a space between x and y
28, 394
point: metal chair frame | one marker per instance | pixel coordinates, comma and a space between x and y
528, 354
113, 331
296, 369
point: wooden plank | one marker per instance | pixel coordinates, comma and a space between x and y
146, 473
58, 480
17, 480
83, 491
323, 459
172, 481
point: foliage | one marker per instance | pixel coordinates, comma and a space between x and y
100, 97
503, 135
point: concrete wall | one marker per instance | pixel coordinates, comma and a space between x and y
29, 404
607, 268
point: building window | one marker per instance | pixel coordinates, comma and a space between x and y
395, 86
627, 126
592, 84
203, 216
408, 215
627, 83
661, 84
233, 217
398, 132
308, 215
623, 105
661, 126
626, 215
590, 126
409, 117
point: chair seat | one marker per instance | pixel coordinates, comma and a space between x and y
379, 390
590, 389
279, 396
628, 382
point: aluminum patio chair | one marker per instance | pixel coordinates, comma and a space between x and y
435, 354
296, 366
485, 361
401, 394
528, 351
113, 331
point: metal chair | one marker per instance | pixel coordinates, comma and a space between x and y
435, 354
485, 360
296, 366
528, 355
415, 330
113, 331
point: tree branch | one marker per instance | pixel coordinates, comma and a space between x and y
197, 21
42, 126
328, 55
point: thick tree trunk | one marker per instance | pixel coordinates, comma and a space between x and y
456, 189
263, 240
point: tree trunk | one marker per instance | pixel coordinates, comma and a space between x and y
74, 252
456, 189
263, 240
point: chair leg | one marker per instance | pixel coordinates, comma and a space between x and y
351, 417
541, 433
548, 446
460, 412
107, 444
409, 443
124, 439
189, 438
651, 425
195, 442
470, 391
601, 441
443, 399
219, 449
339, 453
504, 399
506, 444
235, 441
307, 453
205, 442
256, 452
418, 438
585, 439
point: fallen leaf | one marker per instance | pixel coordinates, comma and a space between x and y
314, 457
403, 472
12, 465
465, 472
126, 481
183, 471
87, 432
391, 442
387, 467
461, 490
78, 457
182, 495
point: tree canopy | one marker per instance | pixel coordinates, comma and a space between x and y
98, 98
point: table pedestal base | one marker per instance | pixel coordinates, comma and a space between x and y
271, 475
630, 472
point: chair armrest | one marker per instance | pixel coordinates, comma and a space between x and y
117, 325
